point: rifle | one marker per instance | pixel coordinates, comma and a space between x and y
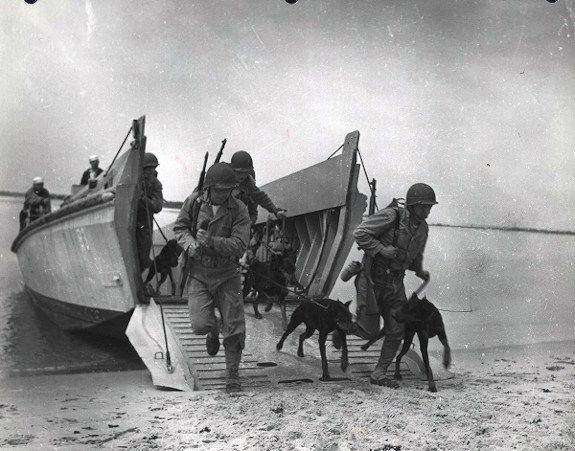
203, 174
195, 211
220, 153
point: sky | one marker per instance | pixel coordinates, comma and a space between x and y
474, 97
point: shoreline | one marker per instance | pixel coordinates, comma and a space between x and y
499, 397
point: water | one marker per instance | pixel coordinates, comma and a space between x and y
29, 342
495, 288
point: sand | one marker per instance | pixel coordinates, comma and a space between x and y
500, 399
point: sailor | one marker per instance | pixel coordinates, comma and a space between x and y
375, 236
92, 172
36, 203
247, 190
150, 202
213, 228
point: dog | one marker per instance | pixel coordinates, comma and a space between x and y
421, 317
163, 264
325, 316
270, 280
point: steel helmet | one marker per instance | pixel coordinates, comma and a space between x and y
242, 161
150, 160
220, 175
420, 193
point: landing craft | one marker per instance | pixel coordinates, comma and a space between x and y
80, 266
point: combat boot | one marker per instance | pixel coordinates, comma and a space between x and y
213, 340
233, 353
388, 351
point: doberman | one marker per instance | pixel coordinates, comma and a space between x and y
421, 317
163, 263
269, 280
325, 316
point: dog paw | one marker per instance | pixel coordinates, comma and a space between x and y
364, 347
398, 376
432, 389
300, 354
325, 378
259, 316
344, 365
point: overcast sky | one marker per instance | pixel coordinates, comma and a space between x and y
476, 98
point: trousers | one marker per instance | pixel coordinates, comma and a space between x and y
208, 292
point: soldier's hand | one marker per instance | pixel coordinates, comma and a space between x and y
204, 238
192, 250
280, 214
388, 252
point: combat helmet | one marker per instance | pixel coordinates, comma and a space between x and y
242, 161
150, 160
220, 175
420, 193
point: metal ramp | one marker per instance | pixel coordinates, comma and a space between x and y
262, 367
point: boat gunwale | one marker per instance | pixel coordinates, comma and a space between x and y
82, 206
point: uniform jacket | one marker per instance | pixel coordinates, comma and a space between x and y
252, 196
229, 228
37, 202
86, 175
377, 231
150, 203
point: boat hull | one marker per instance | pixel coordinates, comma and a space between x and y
71, 317
79, 263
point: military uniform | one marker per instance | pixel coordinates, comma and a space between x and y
248, 192
150, 202
395, 238
214, 278
89, 174
387, 275
36, 204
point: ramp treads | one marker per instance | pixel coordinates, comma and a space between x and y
262, 365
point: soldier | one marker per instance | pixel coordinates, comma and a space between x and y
247, 191
92, 172
213, 228
150, 202
36, 203
375, 236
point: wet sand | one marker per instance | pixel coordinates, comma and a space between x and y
500, 399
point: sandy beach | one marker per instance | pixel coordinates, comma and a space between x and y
500, 399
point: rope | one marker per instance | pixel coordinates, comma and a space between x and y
118, 152
168, 358
367, 177
160, 230
335, 152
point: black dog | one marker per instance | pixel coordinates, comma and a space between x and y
163, 263
421, 317
325, 316
269, 280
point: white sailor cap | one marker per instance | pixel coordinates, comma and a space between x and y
94, 158
38, 180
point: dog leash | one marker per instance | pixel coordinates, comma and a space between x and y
300, 296
421, 288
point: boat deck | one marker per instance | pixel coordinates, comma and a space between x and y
263, 367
